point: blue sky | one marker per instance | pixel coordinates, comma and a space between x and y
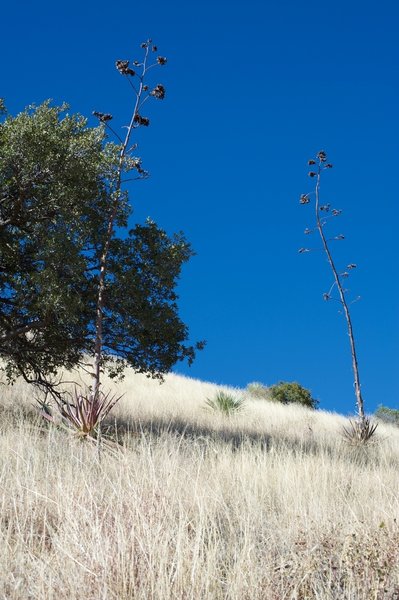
253, 91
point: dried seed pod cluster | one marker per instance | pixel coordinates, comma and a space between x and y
142, 89
123, 68
158, 92
103, 117
141, 120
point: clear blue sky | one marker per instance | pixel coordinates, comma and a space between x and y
254, 89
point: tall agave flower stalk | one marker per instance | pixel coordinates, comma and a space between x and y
86, 411
142, 92
361, 430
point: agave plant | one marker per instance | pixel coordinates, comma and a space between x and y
225, 403
360, 431
86, 412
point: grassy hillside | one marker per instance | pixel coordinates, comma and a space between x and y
268, 504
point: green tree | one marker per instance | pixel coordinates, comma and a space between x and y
292, 392
72, 282
388, 415
52, 197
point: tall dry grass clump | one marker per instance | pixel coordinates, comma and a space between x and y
270, 503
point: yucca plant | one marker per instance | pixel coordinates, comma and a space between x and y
85, 413
360, 431
225, 403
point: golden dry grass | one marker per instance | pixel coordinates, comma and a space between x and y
270, 504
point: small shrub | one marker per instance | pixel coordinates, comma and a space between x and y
388, 415
225, 403
258, 390
289, 393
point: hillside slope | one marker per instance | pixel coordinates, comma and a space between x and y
268, 504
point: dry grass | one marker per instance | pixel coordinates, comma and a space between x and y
269, 504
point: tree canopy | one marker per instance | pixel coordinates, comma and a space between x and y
56, 177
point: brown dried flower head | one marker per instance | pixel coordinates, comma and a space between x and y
161, 60
103, 117
123, 68
312, 174
121, 65
322, 156
154, 48
141, 120
139, 168
158, 92
304, 199
311, 162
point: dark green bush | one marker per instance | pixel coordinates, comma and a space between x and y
289, 393
388, 415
